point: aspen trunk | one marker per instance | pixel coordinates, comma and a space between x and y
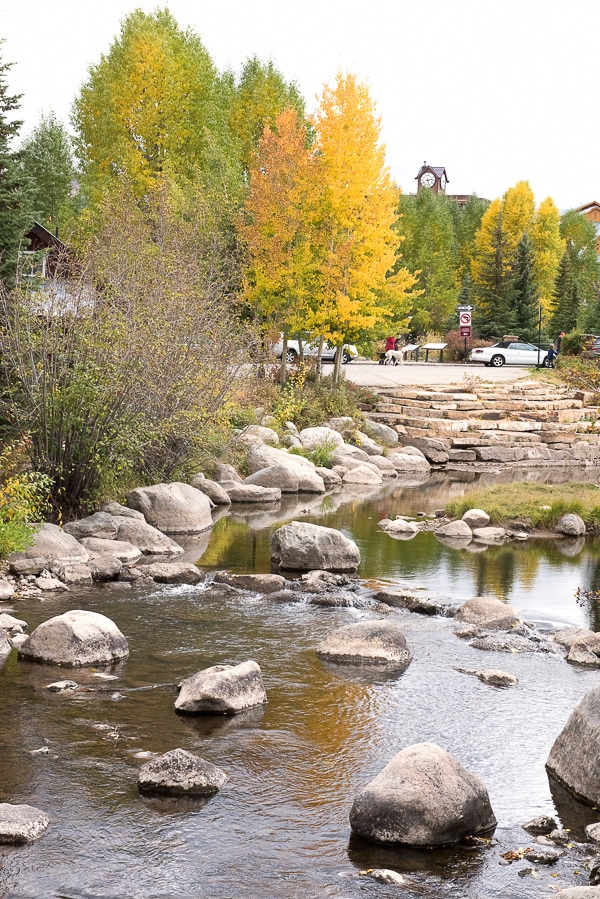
283, 367
319, 360
337, 365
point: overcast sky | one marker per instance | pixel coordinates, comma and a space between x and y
496, 90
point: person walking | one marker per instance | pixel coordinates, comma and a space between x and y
559, 342
551, 356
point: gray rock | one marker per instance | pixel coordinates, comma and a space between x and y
543, 824
26, 567
266, 435
62, 686
341, 423
580, 893
5, 645
568, 636
313, 437
492, 676
17, 640
362, 475
119, 511
21, 823
47, 583
343, 455
105, 568
594, 867
592, 832
74, 573
262, 456
379, 642
100, 524
212, 489
279, 476
179, 773
319, 581
570, 525
258, 583
366, 443
454, 529
585, 652
384, 875
573, 759
76, 639
381, 433
399, 527
149, 540
173, 508
435, 451
384, 466
476, 518
562, 837
222, 689
405, 461
6, 590
122, 549
422, 798
52, 543
304, 546
488, 612
172, 572
225, 472
489, 535
330, 479
542, 855
413, 601
505, 643
251, 493
12, 625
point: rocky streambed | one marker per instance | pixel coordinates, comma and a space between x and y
269, 810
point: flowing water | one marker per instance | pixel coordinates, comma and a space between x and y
279, 826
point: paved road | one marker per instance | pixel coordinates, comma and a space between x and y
427, 374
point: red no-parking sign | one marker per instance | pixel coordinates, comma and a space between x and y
464, 320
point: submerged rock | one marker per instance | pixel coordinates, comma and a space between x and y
76, 639
21, 823
492, 676
222, 689
424, 798
179, 773
543, 824
172, 572
379, 642
384, 875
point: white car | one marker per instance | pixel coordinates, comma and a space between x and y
311, 348
509, 353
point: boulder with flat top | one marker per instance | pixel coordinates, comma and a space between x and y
173, 508
301, 545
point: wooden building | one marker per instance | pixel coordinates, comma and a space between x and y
592, 213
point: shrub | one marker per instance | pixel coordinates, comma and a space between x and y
320, 456
572, 343
455, 351
23, 499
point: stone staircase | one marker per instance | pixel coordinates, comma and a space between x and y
518, 422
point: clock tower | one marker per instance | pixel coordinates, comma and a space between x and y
432, 177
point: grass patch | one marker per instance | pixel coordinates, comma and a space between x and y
540, 504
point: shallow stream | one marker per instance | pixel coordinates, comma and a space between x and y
279, 827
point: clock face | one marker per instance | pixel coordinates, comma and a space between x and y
428, 179
443, 181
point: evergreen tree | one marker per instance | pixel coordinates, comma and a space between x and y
47, 160
15, 201
566, 298
524, 299
492, 275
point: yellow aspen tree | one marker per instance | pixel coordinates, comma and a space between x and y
277, 226
548, 248
518, 209
357, 242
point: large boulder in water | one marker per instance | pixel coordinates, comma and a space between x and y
172, 508
179, 773
574, 759
76, 639
51, 543
300, 545
488, 612
423, 797
261, 456
21, 823
379, 642
222, 689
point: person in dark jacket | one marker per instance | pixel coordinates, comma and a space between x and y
559, 342
551, 356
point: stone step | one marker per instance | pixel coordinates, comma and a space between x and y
438, 424
409, 411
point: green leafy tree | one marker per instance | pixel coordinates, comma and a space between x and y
428, 251
579, 235
154, 105
47, 159
467, 221
258, 99
16, 214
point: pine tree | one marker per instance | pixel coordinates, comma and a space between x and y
566, 299
492, 275
15, 200
524, 300
47, 160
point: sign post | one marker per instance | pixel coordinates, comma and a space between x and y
465, 326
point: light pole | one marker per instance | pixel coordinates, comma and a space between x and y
539, 334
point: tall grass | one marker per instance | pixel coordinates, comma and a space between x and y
540, 505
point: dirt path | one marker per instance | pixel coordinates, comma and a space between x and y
427, 374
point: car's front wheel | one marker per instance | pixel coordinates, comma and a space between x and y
546, 363
497, 361
346, 358
291, 355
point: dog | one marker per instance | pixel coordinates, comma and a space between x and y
396, 357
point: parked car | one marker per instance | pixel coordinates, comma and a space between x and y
509, 353
311, 348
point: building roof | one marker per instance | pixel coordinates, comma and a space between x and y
593, 205
40, 238
438, 171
